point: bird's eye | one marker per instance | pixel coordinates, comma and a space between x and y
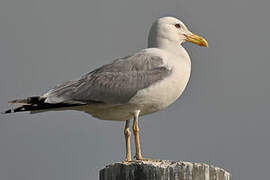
177, 26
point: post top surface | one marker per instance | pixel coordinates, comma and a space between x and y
169, 164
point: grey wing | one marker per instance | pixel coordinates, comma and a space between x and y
114, 83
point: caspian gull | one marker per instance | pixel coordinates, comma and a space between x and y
129, 87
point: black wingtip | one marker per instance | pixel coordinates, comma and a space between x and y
7, 111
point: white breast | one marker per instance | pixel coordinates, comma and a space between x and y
165, 92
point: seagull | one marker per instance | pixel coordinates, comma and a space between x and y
129, 87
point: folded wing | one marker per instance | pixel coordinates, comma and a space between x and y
113, 83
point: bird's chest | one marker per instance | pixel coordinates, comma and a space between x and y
164, 92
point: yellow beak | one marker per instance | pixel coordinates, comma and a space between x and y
196, 39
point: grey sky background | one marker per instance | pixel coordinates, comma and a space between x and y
222, 117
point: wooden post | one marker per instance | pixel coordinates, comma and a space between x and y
162, 170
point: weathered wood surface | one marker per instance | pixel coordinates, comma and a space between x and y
162, 170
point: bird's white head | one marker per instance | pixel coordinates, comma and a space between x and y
170, 32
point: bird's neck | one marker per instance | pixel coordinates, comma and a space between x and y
173, 47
